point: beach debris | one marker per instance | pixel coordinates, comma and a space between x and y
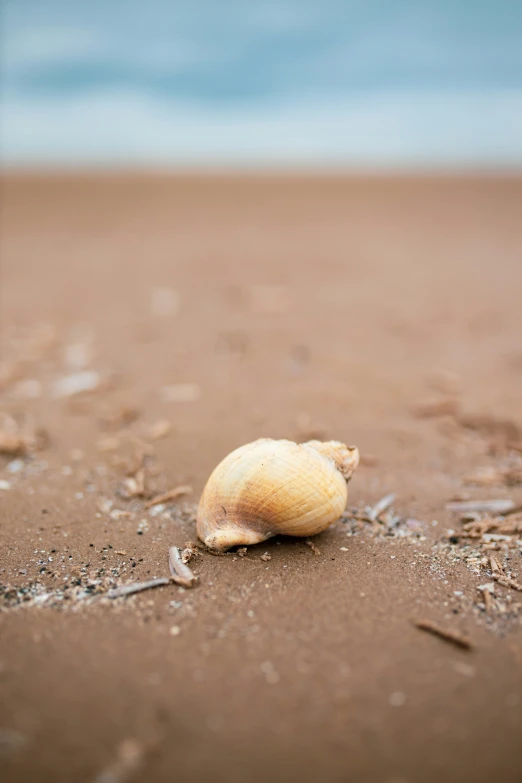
78, 353
488, 591
159, 429
496, 506
447, 635
501, 434
129, 758
181, 573
297, 360
120, 417
119, 513
265, 557
134, 486
439, 406
464, 668
137, 587
507, 581
11, 741
76, 383
180, 392
190, 551
315, 549
16, 442
397, 699
169, 496
164, 302
381, 506
491, 529
11, 443
509, 475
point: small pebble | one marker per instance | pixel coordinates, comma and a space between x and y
397, 699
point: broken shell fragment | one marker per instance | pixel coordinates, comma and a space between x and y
272, 487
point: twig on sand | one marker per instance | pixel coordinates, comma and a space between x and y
137, 587
495, 567
506, 581
497, 506
313, 547
381, 506
497, 573
134, 486
442, 633
181, 573
166, 497
487, 594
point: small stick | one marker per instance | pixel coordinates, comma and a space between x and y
506, 581
381, 506
495, 566
171, 494
448, 636
137, 587
134, 486
500, 506
181, 573
509, 528
488, 599
313, 547
476, 529
488, 537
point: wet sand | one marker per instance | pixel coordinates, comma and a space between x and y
235, 308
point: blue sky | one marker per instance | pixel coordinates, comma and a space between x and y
245, 82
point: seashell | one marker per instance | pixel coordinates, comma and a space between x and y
272, 487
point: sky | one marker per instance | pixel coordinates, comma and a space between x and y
384, 83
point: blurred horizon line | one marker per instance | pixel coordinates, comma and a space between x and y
506, 171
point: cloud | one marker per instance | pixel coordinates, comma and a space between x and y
401, 128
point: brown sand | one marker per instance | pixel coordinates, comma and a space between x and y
306, 306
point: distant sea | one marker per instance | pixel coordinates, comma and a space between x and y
255, 82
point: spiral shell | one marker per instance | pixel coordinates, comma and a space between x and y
272, 487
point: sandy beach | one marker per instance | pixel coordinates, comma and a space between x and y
155, 323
